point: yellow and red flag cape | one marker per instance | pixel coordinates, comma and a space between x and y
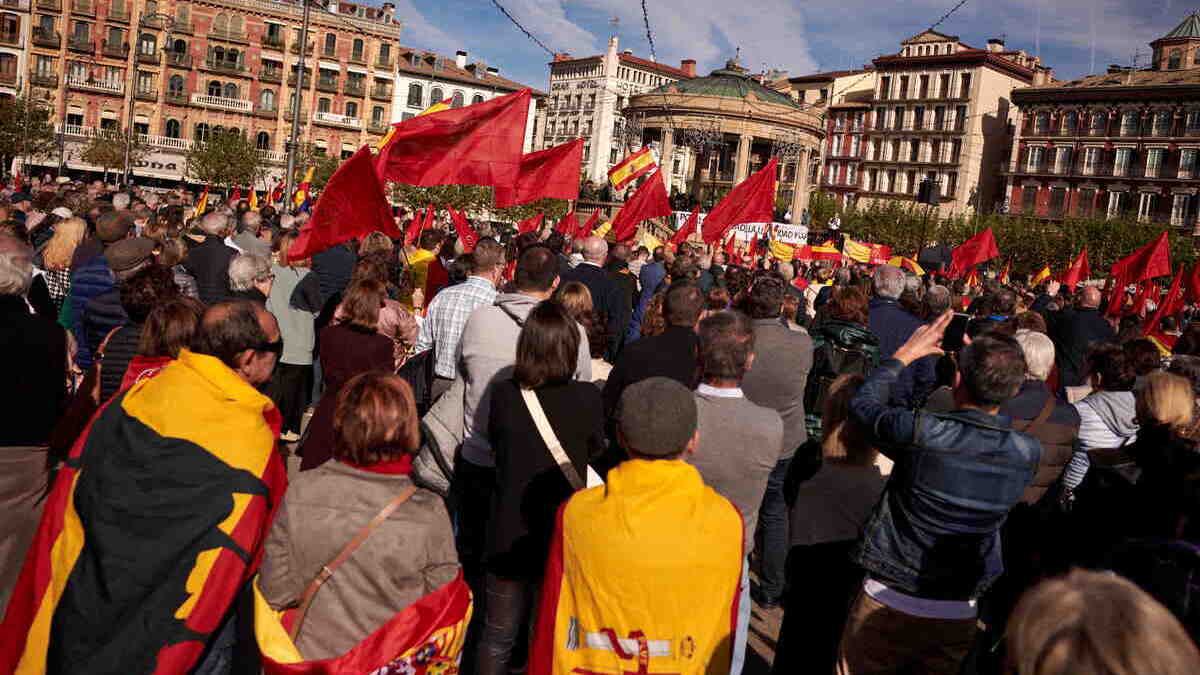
154, 525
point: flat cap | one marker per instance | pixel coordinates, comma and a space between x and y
657, 417
129, 253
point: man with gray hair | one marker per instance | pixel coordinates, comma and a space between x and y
249, 235
936, 301
33, 354
894, 325
250, 277
209, 260
606, 295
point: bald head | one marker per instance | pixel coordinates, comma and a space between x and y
1090, 298
595, 250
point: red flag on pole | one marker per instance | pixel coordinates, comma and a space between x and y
752, 201
568, 226
414, 228
1149, 261
682, 234
352, 205
1146, 290
1079, 270
237, 194
980, 248
478, 144
530, 224
1168, 306
1192, 284
549, 173
731, 250
590, 226
650, 200
430, 218
466, 234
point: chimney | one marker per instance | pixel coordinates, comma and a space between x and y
628, 52
1042, 76
493, 70
560, 56
995, 45
688, 66
460, 59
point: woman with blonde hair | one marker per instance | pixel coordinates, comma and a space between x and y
1168, 490
827, 515
1096, 623
375, 242
57, 255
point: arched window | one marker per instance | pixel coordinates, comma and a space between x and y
214, 88
377, 114
436, 96
323, 105
172, 129
415, 95
201, 132
351, 109
262, 141
220, 23
456, 101
180, 47
235, 24
266, 99
1174, 59
218, 54
175, 85
356, 51
478, 98
234, 130
231, 90
330, 43
218, 130
147, 44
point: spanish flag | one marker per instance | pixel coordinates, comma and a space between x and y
253, 199
1003, 278
1041, 276
154, 524
781, 251
201, 204
301, 198
631, 168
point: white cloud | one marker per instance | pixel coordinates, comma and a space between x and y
418, 32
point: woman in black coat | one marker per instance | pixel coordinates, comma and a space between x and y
530, 485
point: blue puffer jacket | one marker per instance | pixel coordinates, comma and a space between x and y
936, 532
89, 280
100, 315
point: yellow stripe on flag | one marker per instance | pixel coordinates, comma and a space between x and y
1041, 276
650, 241
856, 251
435, 108
781, 251
637, 164
602, 230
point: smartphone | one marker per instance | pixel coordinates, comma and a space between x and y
952, 339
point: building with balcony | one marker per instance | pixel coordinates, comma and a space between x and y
588, 96
177, 72
940, 109
14, 39
425, 78
1122, 144
724, 127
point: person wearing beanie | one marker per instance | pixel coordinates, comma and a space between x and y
643, 571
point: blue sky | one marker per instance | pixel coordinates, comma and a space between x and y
813, 36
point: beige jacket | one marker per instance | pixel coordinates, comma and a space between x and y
405, 558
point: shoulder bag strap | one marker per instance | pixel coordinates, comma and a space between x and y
551, 440
1044, 415
328, 570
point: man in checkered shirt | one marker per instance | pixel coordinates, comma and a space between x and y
447, 313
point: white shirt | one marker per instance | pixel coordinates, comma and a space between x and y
717, 392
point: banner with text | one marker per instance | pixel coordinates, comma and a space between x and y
786, 233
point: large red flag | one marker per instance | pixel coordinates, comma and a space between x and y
352, 205
531, 224
1079, 271
466, 234
688, 228
752, 201
1149, 261
474, 145
413, 230
590, 226
549, 173
1193, 284
650, 200
569, 225
1168, 306
980, 248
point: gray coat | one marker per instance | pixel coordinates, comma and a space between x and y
782, 360
407, 557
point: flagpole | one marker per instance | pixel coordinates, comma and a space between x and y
299, 94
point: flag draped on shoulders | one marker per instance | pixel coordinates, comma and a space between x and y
352, 205
650, 200
153, 526
302, 199
478, 144
552, 173
752, 201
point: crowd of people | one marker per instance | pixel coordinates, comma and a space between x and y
622, 451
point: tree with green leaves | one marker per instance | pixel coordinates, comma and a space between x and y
106, 149
225, 158
323, 164
473, 198
26, 130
